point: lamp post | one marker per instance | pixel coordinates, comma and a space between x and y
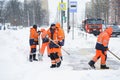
28, 19
68, 26
62, 16
115, 16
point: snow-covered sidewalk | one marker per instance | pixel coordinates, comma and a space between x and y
14, 65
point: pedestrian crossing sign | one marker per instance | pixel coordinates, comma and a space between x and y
62, 6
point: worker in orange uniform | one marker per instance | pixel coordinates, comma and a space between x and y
45, 42
61, 39
33, 43
101, 48
52, 35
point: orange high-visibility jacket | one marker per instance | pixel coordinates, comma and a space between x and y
61, 34
33, 34
44, 33
55, 38
103, 38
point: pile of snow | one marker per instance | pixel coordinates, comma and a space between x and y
14, 64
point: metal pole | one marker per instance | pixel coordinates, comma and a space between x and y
73, 26
68, 26
115, 17
61, 16
28, 18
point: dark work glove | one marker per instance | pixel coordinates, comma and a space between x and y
49, 55
106, 48
36, 42
53, 45
39, 32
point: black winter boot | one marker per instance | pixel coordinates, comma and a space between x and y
53, 66
104, 67
58, 64
34, 57
91, 63
30, 58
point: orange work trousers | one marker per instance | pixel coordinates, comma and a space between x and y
59, 52
43, 46
98, 55
52, 51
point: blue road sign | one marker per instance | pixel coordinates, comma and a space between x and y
73, 6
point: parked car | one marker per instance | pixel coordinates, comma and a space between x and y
116, 30
0, 27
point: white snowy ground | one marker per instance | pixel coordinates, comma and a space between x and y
14, 65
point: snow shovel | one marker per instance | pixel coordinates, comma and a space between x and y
39, 55
114, 54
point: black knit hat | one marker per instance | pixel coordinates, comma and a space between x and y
52, 24
35, 26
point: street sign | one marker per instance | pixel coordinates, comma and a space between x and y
62, 6
73, 6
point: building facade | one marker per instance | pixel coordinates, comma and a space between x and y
114, 12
